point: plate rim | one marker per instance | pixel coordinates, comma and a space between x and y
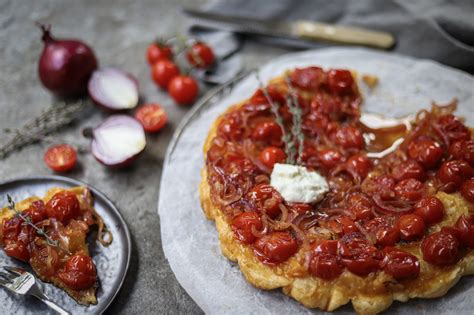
96, 192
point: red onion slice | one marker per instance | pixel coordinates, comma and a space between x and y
118, 141
113, 89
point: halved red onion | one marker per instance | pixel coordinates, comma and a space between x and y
113, 89
118, 141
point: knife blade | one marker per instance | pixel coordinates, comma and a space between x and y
299, 29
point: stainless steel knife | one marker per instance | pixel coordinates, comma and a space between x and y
299, 29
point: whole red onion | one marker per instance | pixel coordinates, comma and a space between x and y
65, 65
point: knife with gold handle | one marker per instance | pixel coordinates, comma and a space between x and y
299, 29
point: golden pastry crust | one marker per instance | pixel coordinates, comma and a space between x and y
369, 295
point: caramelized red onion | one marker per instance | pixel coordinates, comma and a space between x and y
391, 207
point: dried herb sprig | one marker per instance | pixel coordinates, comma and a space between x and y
290, 147
295, 110
27, 221
55, 117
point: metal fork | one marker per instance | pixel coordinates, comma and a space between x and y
20, 281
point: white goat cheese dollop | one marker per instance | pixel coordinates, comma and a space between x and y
297, 184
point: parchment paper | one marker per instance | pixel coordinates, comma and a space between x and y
190, 241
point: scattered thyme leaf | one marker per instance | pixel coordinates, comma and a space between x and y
295, 110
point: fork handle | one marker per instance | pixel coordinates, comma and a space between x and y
51, 304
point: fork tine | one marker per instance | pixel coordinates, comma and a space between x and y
14, 270
7, 276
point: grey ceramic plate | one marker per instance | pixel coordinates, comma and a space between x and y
112, 261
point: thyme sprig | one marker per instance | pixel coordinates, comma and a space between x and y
295, 110
294, 140
55, 117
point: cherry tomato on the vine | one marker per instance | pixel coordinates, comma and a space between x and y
158, 51
200, 55
163, 71
183, 89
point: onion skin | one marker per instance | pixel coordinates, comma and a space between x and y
65, 66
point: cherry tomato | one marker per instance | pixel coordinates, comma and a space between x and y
275, 248
465, 227
231, 127
329, 158
341, 225
349, 137
340, 81
358, 256
243, 224
299, 207
315, 124
463, 150
79, 273
411, 227
268, 131
163, 71
200, 55
272, 155
408, 169
324, 262
440, 249
467, 190
381, 184
426, 151
385, 230
183, 89
455, 172
409, 189
259, 97
61, 157
359, 164
157, 51
152, 117
430, 209
267, 199
45, 260
310, 78
36, 211
453, 128
17, 249
326, 106
63, 206
361, 205
400, 265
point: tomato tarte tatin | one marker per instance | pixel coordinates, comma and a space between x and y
60, 255
392, 227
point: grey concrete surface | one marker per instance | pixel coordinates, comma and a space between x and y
119, 31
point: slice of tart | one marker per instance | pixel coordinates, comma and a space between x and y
50, 234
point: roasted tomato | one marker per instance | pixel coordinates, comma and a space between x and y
409, 189
349, 137
275, 248
465, 227
430, 209
426, 151
400, 265
453, 128
16, 237
454, 173
412, 227
299, 207
324, 261
382, 185
36, 211
243, 224
340, 81
275, 96
341, 224
310, 78
385, 230
266, 199
17, 249
359, 165
268, 131
467, 190
63, 206
272, 155
358, 256
328, 158
361, 205
45, 260
408, 169
79, 273
463, 150
440, 249
231, 127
